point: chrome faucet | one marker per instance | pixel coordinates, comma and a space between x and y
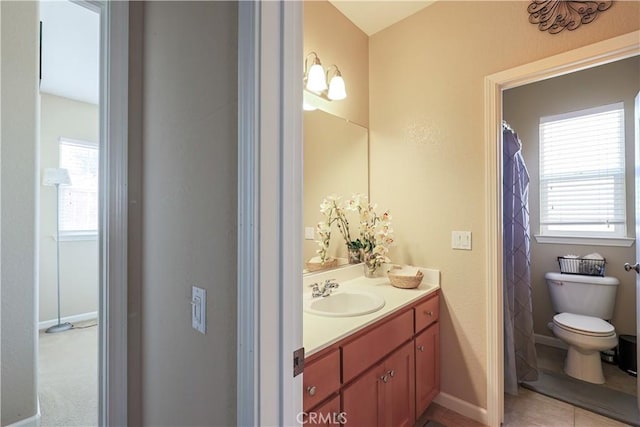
327, 287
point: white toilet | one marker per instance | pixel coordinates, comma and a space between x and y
582, 302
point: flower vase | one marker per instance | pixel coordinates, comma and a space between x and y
355, 256
370, 264
370, 271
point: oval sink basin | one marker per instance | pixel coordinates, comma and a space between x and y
344, 304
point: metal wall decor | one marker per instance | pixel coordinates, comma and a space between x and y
556, 15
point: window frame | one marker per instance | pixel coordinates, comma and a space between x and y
79, 235
619, 237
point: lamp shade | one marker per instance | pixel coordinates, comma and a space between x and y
337, 90
56, 176
308, 107
316, 81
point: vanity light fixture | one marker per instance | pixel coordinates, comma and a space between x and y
315, 80
337, 90
314, 75
308, 107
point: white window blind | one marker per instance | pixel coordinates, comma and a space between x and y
79, 201
582, 174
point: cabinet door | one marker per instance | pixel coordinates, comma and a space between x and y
427, 367
321, 378
363, 400
328, 414
399, 389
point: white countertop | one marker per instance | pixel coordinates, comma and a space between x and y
319, 332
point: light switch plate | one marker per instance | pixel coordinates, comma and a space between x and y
199, 309
309, 233
461, 240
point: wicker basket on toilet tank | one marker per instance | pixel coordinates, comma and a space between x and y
584, 266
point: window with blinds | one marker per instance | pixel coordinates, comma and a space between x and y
79, 201
582, 176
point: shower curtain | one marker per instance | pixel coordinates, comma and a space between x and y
519, 346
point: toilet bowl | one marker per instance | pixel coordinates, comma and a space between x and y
586, 337
582, 302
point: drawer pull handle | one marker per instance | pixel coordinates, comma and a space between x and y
420, 348
392, 373
385, 378
428, 313
311, 390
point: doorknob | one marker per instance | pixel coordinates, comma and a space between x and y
629, 267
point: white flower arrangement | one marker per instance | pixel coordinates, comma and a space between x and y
375, 232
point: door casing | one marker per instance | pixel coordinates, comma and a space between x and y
600, 53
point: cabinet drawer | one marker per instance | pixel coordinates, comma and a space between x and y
328, 414
321, 378
361, 353
427, 313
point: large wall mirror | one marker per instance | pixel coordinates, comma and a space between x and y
336, 161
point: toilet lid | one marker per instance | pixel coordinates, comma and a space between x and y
585, 325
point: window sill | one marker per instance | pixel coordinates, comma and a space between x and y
77, 236
586, 241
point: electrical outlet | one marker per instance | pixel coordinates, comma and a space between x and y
309, 233
461, 240
199, 309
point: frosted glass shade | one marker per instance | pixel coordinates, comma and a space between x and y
316, 81
337, 90
56, 176
308, 107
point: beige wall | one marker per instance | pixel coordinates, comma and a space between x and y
63, 117
335, 162
427, 148
19, 202
338, 41
189, 185
523, 107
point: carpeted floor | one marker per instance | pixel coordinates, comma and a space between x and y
68, 377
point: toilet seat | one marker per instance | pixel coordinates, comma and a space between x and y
584, 325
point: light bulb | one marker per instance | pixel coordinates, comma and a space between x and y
337, 90
315, 79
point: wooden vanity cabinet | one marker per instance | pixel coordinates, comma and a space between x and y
383, 396
321, 379
363, 399
427, 351
327, 415
386, 375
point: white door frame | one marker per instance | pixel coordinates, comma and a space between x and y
112, 282
636, 145
600, 53
269, 212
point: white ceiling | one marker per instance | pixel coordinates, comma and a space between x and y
373, 16
70, 50
71, 34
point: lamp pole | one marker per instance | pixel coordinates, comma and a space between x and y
60, 326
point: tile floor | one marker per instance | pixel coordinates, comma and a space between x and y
531, 409
552, 359
528, 409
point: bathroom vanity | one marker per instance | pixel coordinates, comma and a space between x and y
381, 368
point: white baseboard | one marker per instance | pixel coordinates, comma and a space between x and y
75, 318
462, 407
33, 421
550, 341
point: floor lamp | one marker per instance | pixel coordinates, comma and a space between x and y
57, 177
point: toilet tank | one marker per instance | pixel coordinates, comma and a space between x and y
587, 295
